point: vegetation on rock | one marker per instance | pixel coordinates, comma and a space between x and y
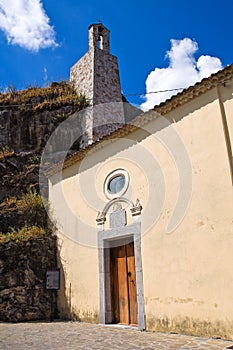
23, 234
36, 99
28, 248
27, 118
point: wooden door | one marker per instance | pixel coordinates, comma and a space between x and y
123, 284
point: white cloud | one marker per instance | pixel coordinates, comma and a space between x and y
183, 70
26, 24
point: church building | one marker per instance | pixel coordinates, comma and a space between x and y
144, 211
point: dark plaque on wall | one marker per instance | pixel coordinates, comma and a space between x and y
53, 279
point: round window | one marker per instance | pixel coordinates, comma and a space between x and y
116, 183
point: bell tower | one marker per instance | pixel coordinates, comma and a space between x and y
96, 76
99, 37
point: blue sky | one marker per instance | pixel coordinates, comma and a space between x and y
41, 39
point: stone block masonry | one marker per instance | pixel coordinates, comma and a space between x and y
96, 76
23, 265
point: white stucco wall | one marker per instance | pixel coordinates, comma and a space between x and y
187, 273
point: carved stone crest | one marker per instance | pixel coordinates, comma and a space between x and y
118, 218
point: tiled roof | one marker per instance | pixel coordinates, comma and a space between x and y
163, 108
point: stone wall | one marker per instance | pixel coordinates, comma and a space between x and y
23, 265
30, 131
107, 86
96, 74
81, 75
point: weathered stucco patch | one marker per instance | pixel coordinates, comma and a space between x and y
85, 316
170, 300
191, 326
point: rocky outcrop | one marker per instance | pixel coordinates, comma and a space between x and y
30, 131
23, 265
28, 117
27, 120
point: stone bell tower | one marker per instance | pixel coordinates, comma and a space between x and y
96, 76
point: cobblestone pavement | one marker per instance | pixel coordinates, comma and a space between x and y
75, 335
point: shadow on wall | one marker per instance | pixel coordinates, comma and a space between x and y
137, 133
63, 295
66, 310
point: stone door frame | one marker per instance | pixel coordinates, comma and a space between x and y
106, 240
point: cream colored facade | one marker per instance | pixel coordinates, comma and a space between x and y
179, 161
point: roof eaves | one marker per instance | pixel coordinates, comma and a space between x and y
196, 90
176, 101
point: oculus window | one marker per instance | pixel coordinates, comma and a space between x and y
116, 183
